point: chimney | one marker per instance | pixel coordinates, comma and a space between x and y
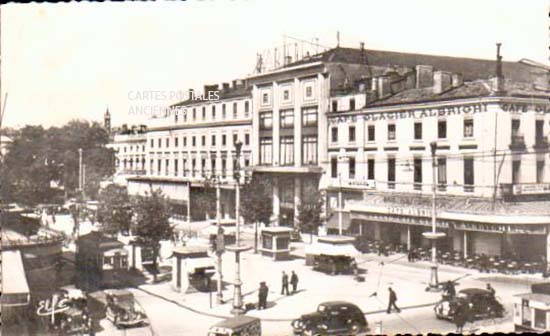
210, 88
384, 88
497, 82
234, 82
288, 60
442, 81
142, 128
457, 80
225, 86
424, 76
362, 49
239, 83
362, 46
191, 94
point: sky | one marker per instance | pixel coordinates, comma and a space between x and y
73, 60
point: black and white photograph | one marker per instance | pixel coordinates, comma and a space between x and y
275, 167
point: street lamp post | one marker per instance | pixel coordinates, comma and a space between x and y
219, 242
434, 235
238, 248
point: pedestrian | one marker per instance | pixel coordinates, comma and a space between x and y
410, 255
262, 296
491, 289
294, 282
392, 300
450, 288
284, 288
460, 316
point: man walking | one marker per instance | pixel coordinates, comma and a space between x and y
294, 282
392, 300
284, 288
262, 296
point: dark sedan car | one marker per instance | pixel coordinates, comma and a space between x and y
481, 304
332, 318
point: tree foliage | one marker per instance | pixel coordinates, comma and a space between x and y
39, 158
152, 222
256, 201
309, 212
115, 210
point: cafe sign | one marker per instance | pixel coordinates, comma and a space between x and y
50, 307
531, 189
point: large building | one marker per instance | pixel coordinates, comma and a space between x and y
360, 125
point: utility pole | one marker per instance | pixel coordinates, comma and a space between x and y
434, 235
219, 243
340, 219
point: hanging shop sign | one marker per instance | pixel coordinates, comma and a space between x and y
531, 189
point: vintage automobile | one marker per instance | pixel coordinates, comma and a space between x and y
76, 318
332, 318
237, 326
481, 304
123, 310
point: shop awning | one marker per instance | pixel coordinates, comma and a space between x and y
193, 264
332, 249
15, 289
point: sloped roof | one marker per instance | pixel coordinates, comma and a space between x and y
470, 68
223, 94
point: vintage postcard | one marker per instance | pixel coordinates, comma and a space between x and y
275, 168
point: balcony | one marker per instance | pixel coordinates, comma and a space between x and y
541, 144
517, 142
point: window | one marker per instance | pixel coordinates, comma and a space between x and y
539, 131
309, 117
468, 128
286, 95
167, 142
224, 140
176, 142
442, 173
391, 132
184, 141
159, 142
159, 167
194, 113
516, 168
176, 167
152, 143
334, 134
468, 174
265, 98
309, 149
417, 173
193, 167
418, 130
334, 106
203, 112
287, 119
213, 111
203, 167
214, 140
334, 167
351, 167
184, 166
213, 166
540, 171
234, 110
526, 313
235, 138
515, 127
351, 134
223, 111
176, 116
151, 166
266, 120
247, 139
442, 129
185, 115
540, 318
370, 133
352, 104
166, 167
203, 140
224, 168
246, 162
309, 91
266, 150
246, 108
193, 141
391, 173
370, 167
287, 151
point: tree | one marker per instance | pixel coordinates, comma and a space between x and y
152, 223
115, 211
256, 204
309, 212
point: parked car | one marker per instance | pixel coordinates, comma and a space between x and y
482, 304
123, 310
332, 318
237, 326
76, 319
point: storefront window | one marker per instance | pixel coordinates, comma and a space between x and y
267, 242
540, 319
525, 313
282, 243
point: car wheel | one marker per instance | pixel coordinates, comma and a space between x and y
355, 329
